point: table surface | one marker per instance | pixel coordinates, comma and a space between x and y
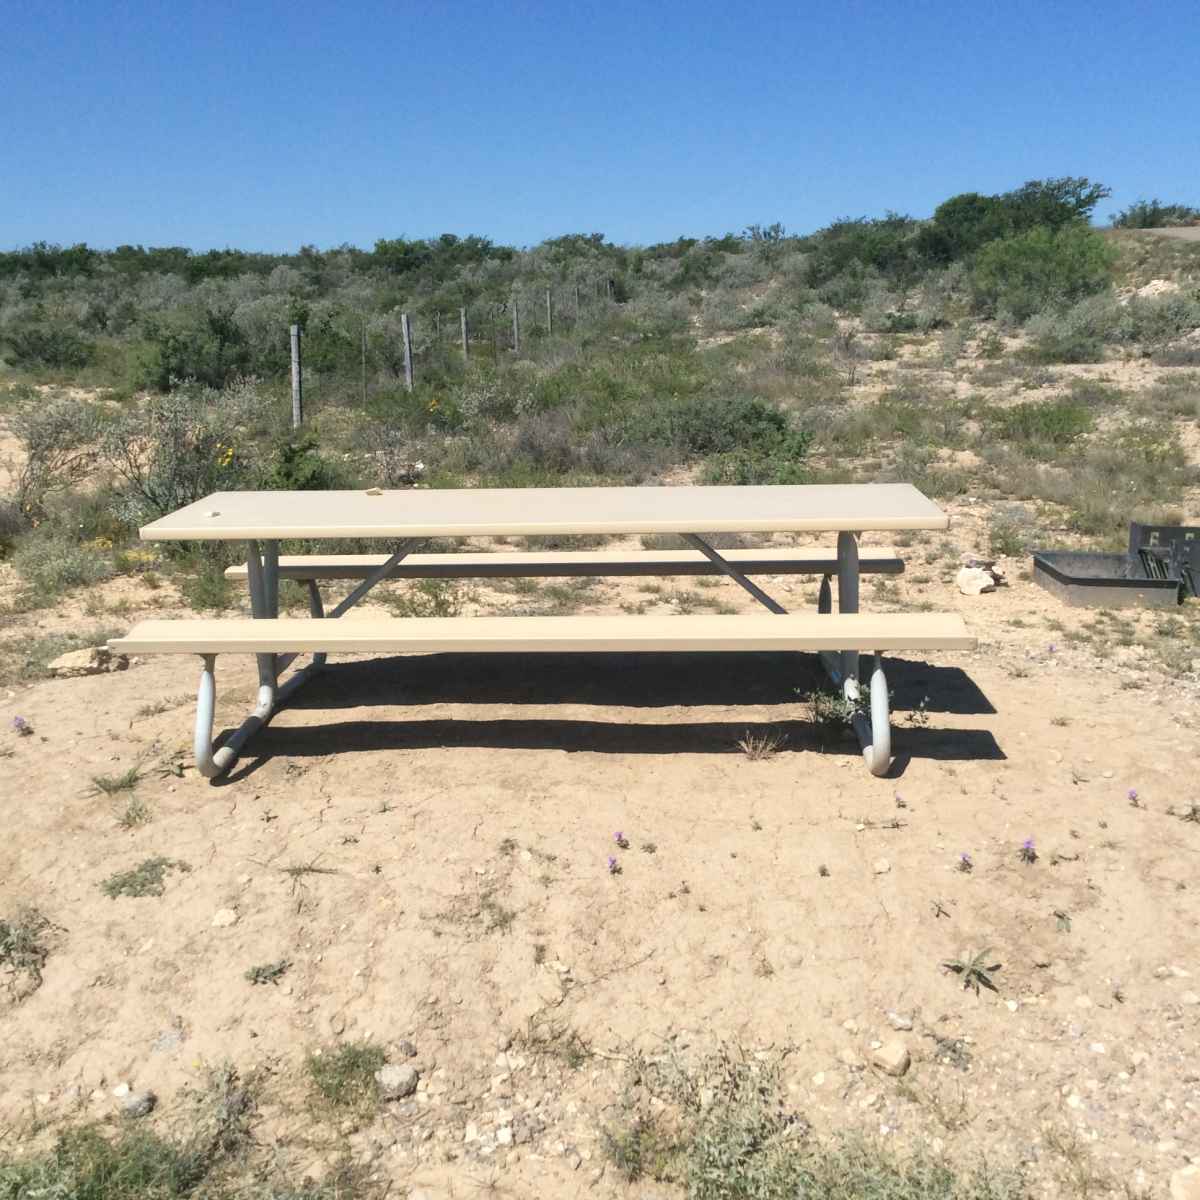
428, 512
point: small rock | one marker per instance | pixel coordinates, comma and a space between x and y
471, 1133
406, 1049
1185, 1183
892, 1057
337, 1024
503, 1042
1075, 1100
395, 1082
224, 917
139, 1104
96, 661
1189, 998
899, 1021
1011, 1005
818, 1079
504, 1136
881, 866
121, 1090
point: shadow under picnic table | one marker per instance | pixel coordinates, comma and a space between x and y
660, 680
619, 681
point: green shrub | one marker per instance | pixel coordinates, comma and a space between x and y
52, 564
1040, 269
298, 465
1155, 321
1041, 427
1074, 335
51, 344
704, 425
1154, 214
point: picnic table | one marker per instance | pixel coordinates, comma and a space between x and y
407, 518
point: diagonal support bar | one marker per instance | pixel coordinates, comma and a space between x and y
729, 569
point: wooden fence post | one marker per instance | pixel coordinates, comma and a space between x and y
549, 313
610, 290
516, 307
297, 395
462, 319
577, 301
406, 334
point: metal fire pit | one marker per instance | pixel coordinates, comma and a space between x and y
1161, 567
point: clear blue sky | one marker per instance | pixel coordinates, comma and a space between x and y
265, 125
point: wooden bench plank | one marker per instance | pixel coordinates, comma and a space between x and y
873, 560
505, 635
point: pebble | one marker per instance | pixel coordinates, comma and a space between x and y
121, 1090
1011, 1005
892, 1057
1097, 1048
471, 1133
406, 1049
1189, 998
337, 1024
818, 1079
881, 866
900, 1021
504, 1135
396, 1081
224, 917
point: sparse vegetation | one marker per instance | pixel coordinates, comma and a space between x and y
148, 878
343, 1077
974, 969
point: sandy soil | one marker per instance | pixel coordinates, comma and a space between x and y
426, 840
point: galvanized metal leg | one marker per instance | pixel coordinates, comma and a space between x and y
212, 763
848, 577
875, 732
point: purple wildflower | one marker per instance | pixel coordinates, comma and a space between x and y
621, 840
1133, 797
1027, 853
614, 867
964, 863
21, 727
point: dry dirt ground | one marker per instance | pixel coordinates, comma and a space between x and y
426, 841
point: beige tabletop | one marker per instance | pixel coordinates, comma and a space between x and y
430, 512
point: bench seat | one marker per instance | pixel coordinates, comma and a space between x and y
503, 635
873, 560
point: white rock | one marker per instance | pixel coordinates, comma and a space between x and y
974, 581
224, 917
96, 661
504, 1136
122, 1089
892, 1057
881, 866
899, 1021
1189, 998
139, 1104
396, 1081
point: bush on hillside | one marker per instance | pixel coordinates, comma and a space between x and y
1041, 269
1154, 214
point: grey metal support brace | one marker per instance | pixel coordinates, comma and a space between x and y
729, 569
